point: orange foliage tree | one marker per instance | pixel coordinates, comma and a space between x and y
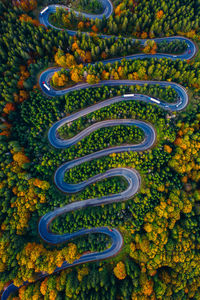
8, 108
26, 18
95, 29
118, 10
20, 158
167, 148
105, 75
104, 55
76, 74
150, 47
5, 128
144, 35
81, 25
159, 14
120, 270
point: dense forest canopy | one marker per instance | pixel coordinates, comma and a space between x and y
161, 224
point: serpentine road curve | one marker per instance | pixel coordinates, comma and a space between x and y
131, 176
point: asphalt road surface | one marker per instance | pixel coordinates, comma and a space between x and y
130, 175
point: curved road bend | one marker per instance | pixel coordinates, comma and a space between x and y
181, 93
132, 176
108, 10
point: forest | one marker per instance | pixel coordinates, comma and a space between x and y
139, 19
161, 224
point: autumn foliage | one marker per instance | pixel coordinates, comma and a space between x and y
156, 247
186, 159
5, 128
64, 60
25, 199
35, 258
95, 29
159, 14
120, 270
24, 74
59, 80
26, 5
27, 18
144, 35
92, 79
20, 158
81, 25
150, 47
119, 9
8, 108
76, 74
167, 148
82, 272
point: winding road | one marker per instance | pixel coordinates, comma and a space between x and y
130, 175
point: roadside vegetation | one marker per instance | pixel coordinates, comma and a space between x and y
161, 224
88, 6
92, 6
101, 49
140, 19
